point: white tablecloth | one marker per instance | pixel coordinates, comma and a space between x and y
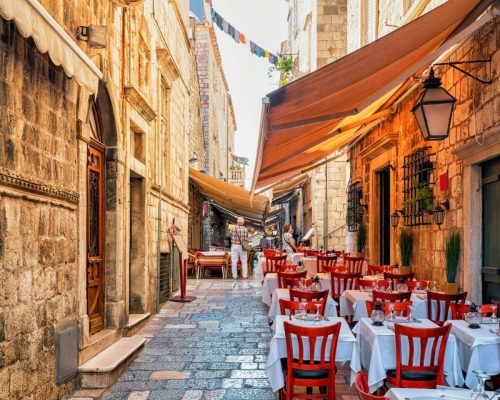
440, 391
330, 310
346, 347
478, 349
353, 302
377, 351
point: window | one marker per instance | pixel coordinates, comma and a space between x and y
418, 180
164, 135
354, 196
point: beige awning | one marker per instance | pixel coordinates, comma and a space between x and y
34, 21
309, 118
231, 197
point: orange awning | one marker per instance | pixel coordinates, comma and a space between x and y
230, 197
301, 121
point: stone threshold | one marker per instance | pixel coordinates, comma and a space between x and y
104, 369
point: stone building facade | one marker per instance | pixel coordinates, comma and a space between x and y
317, 35
458, 163
89, 186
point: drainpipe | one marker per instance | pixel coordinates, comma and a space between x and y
158, 234
325, 211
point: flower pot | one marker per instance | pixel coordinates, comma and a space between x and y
450, 287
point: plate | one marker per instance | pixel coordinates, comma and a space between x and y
306, 317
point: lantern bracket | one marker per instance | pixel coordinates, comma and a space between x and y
454, 64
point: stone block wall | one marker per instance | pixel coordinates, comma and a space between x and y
477, 112
38, 219
331, 31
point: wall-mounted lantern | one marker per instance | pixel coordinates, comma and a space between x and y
434, 109
438, 213
395, 216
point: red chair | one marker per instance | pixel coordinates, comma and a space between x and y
299, 295
379, 269
458, 311
439, 314
410, 371
371, 283
340, 282
325, 261
311, 253
401, 308
396, 278
385, 297
354, 264
290, 275
361, 383
335, 268
272, 263
287, 267
290, 283
417, 285
309, 307
272, 252
302, 369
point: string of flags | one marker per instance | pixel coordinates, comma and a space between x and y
239, 37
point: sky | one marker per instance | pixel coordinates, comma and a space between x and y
265, 23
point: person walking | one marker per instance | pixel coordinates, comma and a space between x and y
239, 236
288, 241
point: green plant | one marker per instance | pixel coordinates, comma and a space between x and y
426, 198
361, 237
406, 245
452, 255
284, 67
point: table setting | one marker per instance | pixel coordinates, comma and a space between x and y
478, 347
346, 346
377, 350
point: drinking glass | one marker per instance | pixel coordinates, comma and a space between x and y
477, 389
317, 316
391, 313
482, 378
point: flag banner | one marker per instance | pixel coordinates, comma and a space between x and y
239, 37
240, 160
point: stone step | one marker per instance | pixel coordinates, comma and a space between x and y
98, 342
135, 323
104, 369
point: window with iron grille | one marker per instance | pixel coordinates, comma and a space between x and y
418, 182
354, 195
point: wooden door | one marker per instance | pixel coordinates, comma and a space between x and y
385, 216
491, 231
95, 238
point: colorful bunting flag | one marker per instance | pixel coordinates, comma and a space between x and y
239, 37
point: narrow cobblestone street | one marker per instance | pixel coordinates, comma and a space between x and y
214, 348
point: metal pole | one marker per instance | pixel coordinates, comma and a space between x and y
325, 212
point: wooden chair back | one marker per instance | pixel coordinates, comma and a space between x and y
335, 268
385, 297
325, 261
395, 278
361, 383
300, 295
289, 307
379, 269
417, 285
341, 281
272, 263
354, 264
371, 283
307, 367
423, 368
458, 311
438, 305
311, 253
290, 275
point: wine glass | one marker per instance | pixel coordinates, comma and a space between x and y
482, 378
391, 313
317, 316
477, 389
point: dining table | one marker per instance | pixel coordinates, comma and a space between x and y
377, 352
441, 392
478, 349
346, 346
274, 309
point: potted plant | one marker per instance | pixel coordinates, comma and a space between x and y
452, 256
361, 238
405, 248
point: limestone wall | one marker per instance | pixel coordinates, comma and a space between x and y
476, 116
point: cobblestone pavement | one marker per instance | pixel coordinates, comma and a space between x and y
214, 348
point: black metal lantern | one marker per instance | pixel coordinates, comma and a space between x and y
395, 219
434, 109
438, 215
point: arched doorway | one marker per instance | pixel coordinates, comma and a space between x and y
95, 222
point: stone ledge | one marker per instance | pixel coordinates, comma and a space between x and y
105, 368
135, 322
